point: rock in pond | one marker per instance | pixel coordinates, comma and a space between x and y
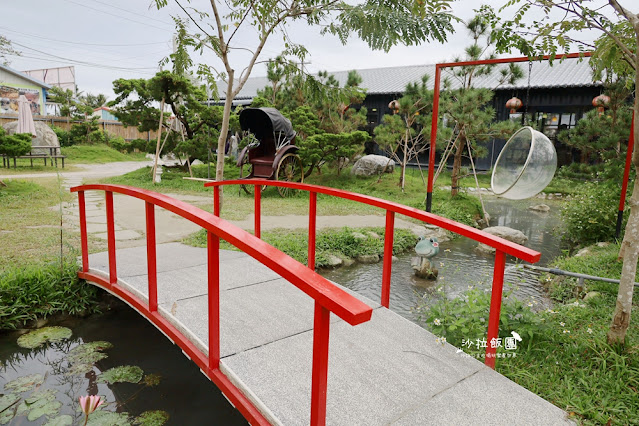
504, 232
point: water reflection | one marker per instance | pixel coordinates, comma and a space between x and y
460, 266
183, 392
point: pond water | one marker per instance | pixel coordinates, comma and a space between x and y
460, 266
183, 392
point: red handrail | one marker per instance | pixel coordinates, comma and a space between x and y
328, 297
501, 245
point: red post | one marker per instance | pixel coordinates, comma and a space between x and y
312, 225
321, 331
83, 232
626, 174
433, 140
213, 246
216, 201
388, 257
151, 258
258, 210
113, 274
495, 307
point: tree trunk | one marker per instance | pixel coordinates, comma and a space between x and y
402, 175
630, 245
454, 178
221, 142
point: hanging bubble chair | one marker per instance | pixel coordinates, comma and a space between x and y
525, 166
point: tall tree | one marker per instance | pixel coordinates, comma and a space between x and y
381, 23
617, 49
135, 105
405, 132
467, 106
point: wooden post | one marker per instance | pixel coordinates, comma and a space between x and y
157, 146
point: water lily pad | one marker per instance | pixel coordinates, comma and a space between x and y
152, 418
42, 335
24, 383
63, 420
39, 404
108, 418
7, 409
83, 357
152, 380
122, 374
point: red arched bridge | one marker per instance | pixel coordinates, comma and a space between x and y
255, 340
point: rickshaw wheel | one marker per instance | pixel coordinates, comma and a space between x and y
289, 170
245, 170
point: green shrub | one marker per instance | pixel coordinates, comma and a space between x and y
14, 145
118, 143
139, 144
591, 215
465, 318
38, 291
64, 137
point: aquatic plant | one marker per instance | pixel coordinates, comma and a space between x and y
152, 418
122, 374
42, 335
88, 404
24, 383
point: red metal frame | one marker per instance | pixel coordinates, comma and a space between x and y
328, 297
436, 91
503, 247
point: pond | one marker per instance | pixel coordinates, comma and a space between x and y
170, 381
460, 266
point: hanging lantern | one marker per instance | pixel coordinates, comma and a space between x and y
601, 102
394, 106
514, 104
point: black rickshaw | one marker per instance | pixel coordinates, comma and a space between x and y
270, 153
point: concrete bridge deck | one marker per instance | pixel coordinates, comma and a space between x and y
385, 371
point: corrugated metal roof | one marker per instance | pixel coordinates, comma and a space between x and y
24, 76
566, 73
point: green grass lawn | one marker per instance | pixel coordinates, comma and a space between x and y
237, 204
77, 154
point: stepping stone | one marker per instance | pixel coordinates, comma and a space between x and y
123, 235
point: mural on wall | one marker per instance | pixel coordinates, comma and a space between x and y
9, 99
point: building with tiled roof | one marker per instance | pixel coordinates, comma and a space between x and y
558, 94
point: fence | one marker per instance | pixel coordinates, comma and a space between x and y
113, 128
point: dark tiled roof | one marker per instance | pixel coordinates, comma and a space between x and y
566, 73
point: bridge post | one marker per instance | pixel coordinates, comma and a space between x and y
113, 274
151, 258
388, 257
216, 201
321, 331
258, 210
83, 232
213, 247
312, 226
495, 308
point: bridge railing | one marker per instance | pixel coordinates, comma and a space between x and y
503, 247
328, 297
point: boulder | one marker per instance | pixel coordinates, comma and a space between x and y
540, 208
359, 236
371, 165
591, 295
504, 232
196, 162
368, 258
374, 235
333, 261
46, 136
431, 231
347, 261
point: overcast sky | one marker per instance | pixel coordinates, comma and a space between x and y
110, 39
